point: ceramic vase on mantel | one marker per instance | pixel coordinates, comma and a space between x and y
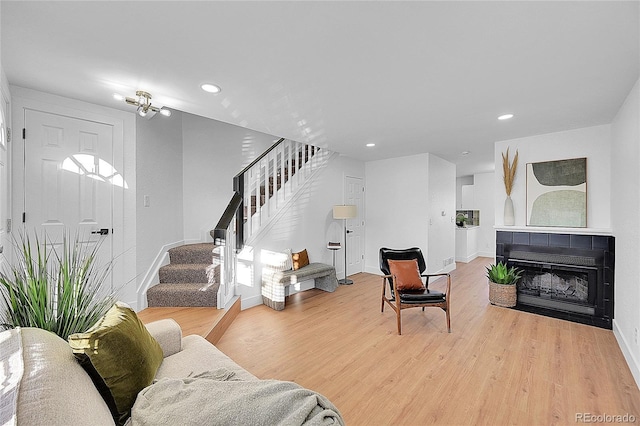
509, 218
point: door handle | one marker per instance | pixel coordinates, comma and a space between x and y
102, 231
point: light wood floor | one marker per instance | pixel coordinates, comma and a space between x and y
498, 366
210, 323
198, 321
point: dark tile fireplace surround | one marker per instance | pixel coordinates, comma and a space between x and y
567, 276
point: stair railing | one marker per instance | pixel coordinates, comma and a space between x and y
239, 182
270, 181
260, 190
225, 250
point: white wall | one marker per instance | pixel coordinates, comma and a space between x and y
399, 206
396, 206
591, 142
442, 213
159, 177
306, 224
625, 219
484, 191
463, 180
213, 153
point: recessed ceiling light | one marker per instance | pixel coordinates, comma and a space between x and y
505, 117
371, 144
118, 97
465, 152
211, 88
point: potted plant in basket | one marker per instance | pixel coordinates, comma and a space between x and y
502, 284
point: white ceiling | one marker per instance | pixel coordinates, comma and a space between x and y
411, 77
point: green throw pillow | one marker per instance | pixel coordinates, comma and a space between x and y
121, 357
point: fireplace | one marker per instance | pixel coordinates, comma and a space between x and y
567, 276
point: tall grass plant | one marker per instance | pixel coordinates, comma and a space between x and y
61, 289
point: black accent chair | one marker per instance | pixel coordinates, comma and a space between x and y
405, 299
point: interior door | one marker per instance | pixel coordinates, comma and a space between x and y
69, 179
354, 195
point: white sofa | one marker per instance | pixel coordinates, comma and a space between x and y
41, 383
45, 385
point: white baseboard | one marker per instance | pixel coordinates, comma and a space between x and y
447, 269
375, 270
632, 362
466, 259
250, 302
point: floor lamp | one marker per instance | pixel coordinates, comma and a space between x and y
345, 212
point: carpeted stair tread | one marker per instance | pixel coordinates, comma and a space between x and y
183, 294
186, 273
192, 253
190, 279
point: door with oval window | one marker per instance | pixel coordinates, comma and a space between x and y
69, 180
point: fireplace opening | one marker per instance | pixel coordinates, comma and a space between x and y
557, 286
563, 276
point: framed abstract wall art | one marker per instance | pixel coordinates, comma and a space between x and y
557, 193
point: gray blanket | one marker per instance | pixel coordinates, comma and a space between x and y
217, 398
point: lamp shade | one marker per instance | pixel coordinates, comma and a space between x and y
344, 212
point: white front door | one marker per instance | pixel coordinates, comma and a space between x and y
69, 179
354, 195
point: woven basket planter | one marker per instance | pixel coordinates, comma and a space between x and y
502, 294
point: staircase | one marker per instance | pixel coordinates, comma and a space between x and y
200, 274
191, 279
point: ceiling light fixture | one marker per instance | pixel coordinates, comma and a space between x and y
465, 153
505, 117
211, 88
371, 144
143, 102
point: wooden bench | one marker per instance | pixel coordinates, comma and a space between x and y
275, 284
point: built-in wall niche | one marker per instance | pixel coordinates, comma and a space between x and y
472, 217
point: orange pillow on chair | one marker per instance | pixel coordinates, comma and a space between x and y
407, 274
300, 259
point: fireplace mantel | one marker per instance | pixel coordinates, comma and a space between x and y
555, 230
